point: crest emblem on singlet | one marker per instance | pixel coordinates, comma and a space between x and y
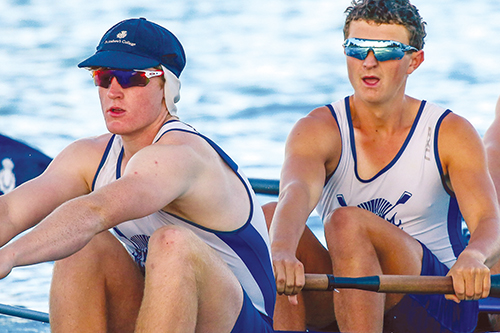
380, 206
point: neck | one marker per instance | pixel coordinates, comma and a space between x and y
382, 117
134, 142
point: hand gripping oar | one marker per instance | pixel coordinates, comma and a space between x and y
402, 284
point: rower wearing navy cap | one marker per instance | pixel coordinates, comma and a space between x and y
153, 226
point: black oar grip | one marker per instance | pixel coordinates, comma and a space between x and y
331, 282
495, 286
370, 283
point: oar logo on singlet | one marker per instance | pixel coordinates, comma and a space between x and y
380, 206
139, 244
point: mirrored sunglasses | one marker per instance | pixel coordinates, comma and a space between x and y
126, 78
382, 49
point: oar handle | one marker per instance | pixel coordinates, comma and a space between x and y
405, 284
408, 284
325, 282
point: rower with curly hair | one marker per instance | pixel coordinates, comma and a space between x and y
391, 177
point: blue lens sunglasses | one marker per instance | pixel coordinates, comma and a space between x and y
382, 49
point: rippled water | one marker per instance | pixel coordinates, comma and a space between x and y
253, 69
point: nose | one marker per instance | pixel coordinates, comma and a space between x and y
370, 60
115, 90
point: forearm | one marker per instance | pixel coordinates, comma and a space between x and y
485, 242
11, 221
29, 203
8, 229
62, 233
292, 212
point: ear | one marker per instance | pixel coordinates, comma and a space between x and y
416, 59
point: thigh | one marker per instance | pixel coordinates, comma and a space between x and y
220, 290
355, 229
362, 238
185, 275
98, 288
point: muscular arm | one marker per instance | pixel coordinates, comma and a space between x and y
65, 178
464, 161
312, 150
146, 186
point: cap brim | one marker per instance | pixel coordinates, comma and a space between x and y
119, 60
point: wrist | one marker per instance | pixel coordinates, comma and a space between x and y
7, 260
278, 246
473, 254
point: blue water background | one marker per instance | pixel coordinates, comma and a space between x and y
253, 68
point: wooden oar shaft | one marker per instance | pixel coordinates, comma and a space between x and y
416, 284
405, 284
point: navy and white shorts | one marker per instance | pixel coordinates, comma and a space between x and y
431, 313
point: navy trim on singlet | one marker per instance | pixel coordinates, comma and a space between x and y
454, 215
253, 259
457, 239
103, 160
398, 155
436, 152
332, 111
250, 255
229, 161
119, 164
244, 233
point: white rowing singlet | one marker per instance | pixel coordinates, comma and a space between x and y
245, 250
408, 192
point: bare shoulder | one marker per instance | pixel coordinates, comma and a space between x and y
319, 119
187, 156
80, 159
196, 177
69, 175
456, 128
319, 125
87, 149
459, 142
180, 146
316, 135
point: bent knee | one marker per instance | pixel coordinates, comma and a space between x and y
346, 219
174, 243
169, 236
346, 224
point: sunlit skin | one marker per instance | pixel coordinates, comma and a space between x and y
177, 174
382, 114
361, 243
378, 84
134, 111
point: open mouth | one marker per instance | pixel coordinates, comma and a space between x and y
115, 110
371, 80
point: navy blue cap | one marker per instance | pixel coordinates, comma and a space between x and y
138, 44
